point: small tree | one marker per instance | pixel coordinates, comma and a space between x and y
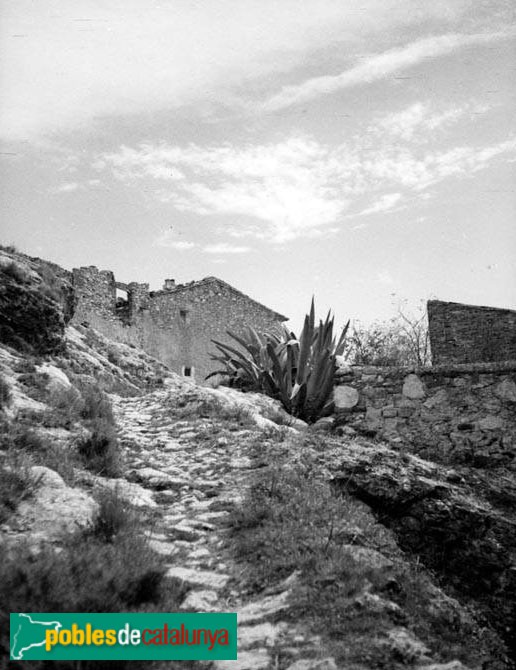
401, 341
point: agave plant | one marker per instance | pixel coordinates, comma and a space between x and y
297, 371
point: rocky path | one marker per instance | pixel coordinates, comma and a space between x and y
195, 462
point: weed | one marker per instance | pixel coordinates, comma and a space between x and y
100, 449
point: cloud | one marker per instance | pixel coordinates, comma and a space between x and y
224, 248
66, 187
378, 67
169, 241
298, 187
385, 203
412, 122
66, 65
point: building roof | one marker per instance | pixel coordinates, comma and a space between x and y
182, 288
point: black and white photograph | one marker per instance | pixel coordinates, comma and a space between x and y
258, 334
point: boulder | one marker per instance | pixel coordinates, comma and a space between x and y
57, 379
54, 510
413, 387
506, 390
345, 398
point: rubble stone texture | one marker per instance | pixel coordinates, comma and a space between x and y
469, 333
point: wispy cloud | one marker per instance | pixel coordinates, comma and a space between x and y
169, 240
225, 248
135, 57
384, 204
66, 187
298, 187
378, 67
414, 122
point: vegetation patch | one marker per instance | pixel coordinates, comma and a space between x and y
16, 483
353, 586
89, 575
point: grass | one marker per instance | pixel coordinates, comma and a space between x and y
292, 521
212, 408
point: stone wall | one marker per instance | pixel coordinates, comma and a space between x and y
175, 325
95, 292
192, 316
467, 333
454, 414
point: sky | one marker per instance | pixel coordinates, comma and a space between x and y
362, 151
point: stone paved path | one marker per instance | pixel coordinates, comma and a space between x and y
197, 468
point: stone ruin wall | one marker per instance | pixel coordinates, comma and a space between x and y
468, 333
176, 325
193, 316
456, 414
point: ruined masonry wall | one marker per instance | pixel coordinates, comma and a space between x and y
455, 414
194, 317
467, 333
176, 327
95, 291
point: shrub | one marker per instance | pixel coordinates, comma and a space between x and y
16, 484
114, 517
100, 450
51, 285
5, 393
401, 341
16, 272
298, 372
97, 405
67, 408
87, 575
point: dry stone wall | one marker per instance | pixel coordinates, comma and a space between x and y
452, 413
468, 333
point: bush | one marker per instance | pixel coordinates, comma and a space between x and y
51, 285
114, 517
88, 575
67, 408
16, 484
97, 406
16, 272
298, 372
100, 450
401, 341
5, 393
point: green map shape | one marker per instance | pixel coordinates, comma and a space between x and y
29, 634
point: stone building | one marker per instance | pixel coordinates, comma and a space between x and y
470, 333
175, 324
